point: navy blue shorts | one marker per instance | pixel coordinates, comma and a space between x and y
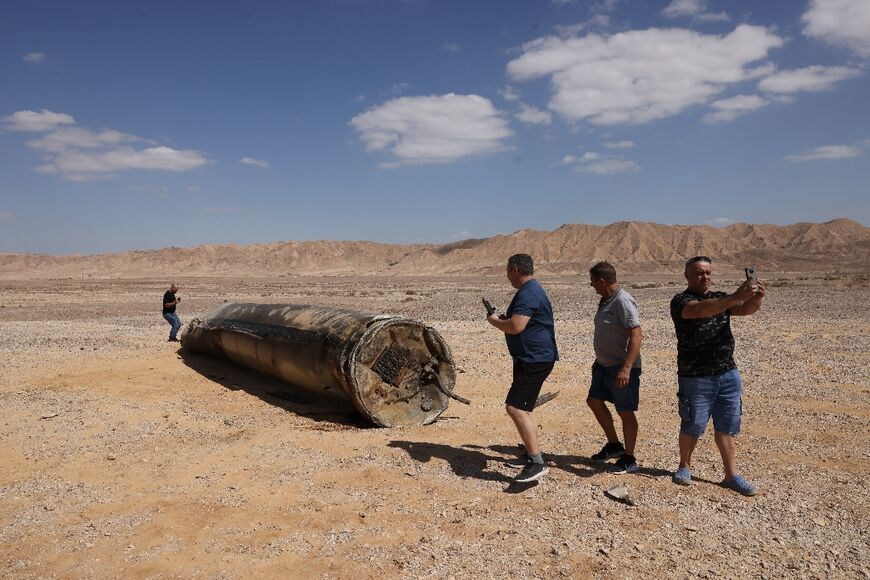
528, 379
604, 387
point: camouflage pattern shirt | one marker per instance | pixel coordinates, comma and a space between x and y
705, 346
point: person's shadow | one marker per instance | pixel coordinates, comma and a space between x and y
473, 461
275, 392
579, 465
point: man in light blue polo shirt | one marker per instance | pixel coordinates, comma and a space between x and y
616, 371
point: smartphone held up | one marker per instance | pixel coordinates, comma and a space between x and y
752, 276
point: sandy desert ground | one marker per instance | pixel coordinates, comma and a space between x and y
122, 455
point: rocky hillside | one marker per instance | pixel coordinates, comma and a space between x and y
840, 245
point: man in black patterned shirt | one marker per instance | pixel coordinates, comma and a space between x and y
709, 382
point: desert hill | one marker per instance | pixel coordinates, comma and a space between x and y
840, 245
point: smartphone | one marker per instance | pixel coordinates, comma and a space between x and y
752, 275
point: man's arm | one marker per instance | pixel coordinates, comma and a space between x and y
714, 306
513, 325
752, 305
635, 338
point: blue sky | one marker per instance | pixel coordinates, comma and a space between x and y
142, 125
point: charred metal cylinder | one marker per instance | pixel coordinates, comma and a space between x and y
395, 370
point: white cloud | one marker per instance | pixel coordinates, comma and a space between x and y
433, 129
638, 76
608, 166
35, 121
828, 152
397, 89
811, 78
33, 57
534, 116
696, 9
843, 23
594, 162
255, 162
730, 109
720, 222
453, 47
77, 138
78, 154
509, 94
5, 215
598, 21
77, 165
561, 3
619, 144
359, 98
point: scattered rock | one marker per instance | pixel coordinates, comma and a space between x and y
620, 494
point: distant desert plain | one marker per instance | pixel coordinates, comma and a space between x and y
123, 455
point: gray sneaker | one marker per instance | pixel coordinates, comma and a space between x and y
682, 476
532, 472
519, 461
609, 451
625, 464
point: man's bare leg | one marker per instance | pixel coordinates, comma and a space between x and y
629, 430
687, 446
725, 443
527, 428
605, 419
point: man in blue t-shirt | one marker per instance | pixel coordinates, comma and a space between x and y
531, 340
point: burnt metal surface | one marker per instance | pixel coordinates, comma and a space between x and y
395, 370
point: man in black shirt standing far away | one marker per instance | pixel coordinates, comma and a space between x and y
709, 383
170, 301
529, 330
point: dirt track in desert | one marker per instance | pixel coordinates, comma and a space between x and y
122, 455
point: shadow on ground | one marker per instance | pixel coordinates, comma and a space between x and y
474, 461
321, 408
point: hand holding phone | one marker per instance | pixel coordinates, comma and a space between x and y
490, 309
752, 276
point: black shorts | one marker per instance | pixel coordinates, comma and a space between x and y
528, 380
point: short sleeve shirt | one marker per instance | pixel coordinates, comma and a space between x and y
705, 346
615, 317
167, 298
537, 343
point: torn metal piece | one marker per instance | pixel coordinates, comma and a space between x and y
545, 398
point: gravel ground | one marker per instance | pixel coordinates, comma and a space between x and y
122, 457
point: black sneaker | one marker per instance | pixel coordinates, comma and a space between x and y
519, 461
625, 464
173, 340
609, 451
532, 472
